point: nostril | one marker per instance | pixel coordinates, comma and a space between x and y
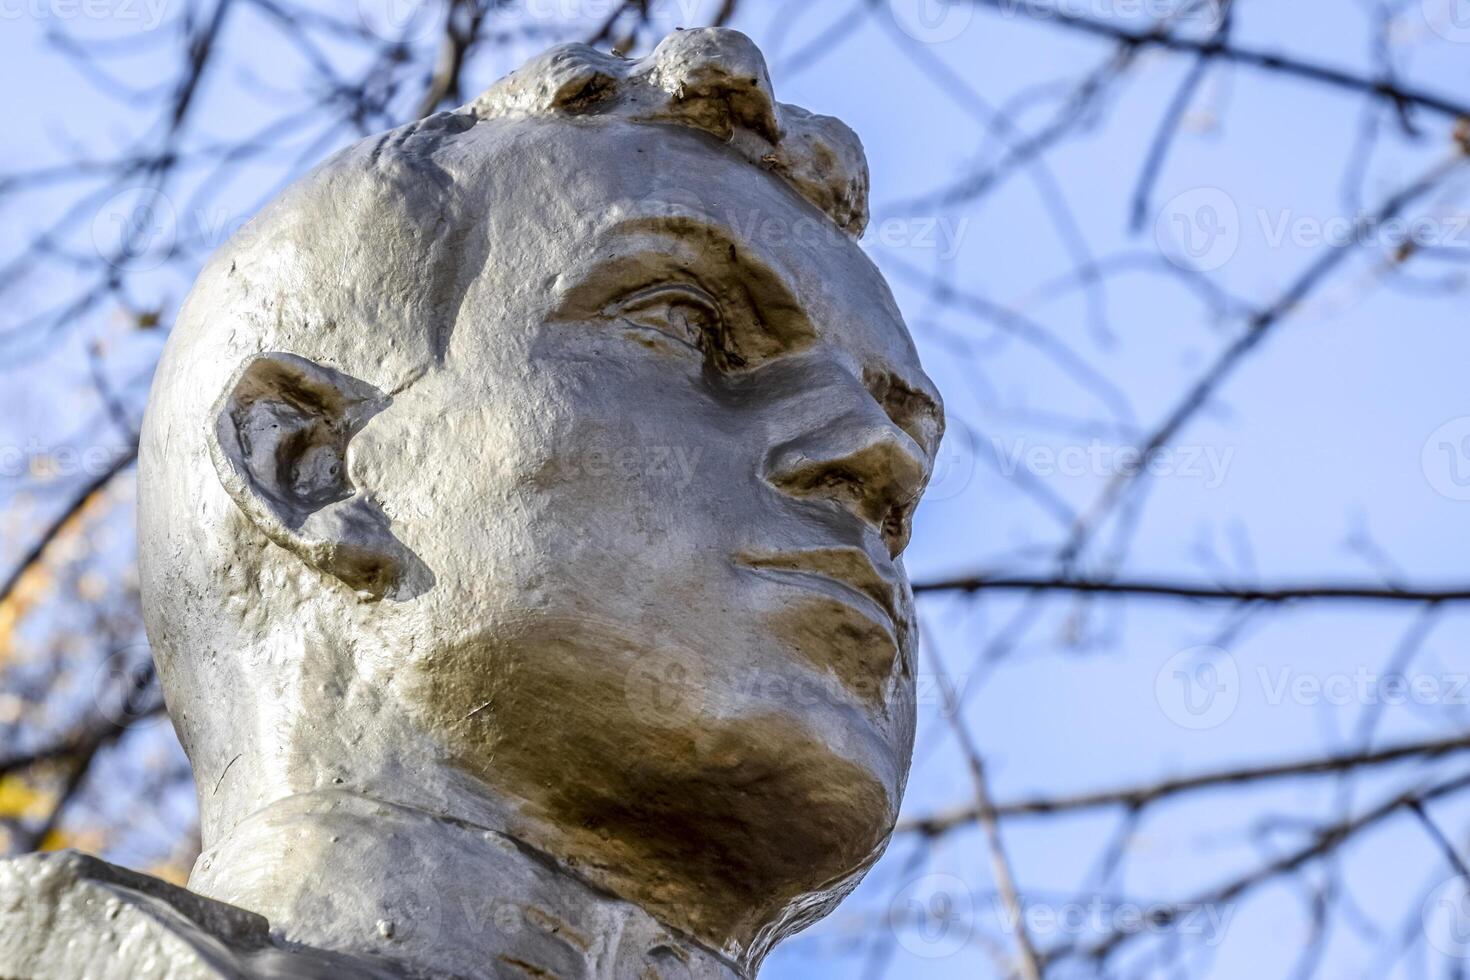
802, 475
871, 469
897, 526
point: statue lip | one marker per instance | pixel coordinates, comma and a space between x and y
871, 582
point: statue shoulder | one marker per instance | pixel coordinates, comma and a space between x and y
67, 915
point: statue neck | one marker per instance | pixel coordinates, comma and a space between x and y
350, 874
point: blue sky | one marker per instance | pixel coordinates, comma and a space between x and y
1345, 424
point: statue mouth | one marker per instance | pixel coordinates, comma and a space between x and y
871, 585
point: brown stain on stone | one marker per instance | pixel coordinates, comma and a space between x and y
556, 928
529, 969
859, 656
728, 834
715, 825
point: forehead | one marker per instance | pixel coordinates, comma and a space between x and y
558, 196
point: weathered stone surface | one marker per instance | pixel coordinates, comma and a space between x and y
521, 502
65, 914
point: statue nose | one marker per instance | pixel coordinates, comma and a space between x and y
864, 463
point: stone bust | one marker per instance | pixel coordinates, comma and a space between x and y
521, 502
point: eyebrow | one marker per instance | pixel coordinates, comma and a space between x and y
681, 223
767, 288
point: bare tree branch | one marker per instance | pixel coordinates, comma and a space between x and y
1324, 842
1000, 865
1183, 590
1138, 797
1216, 48
1256, 331
59, 523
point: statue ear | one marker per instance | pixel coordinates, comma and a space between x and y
279, 444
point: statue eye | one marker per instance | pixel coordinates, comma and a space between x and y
685, 313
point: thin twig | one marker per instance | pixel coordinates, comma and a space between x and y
1000, 865
1157, 588
50, 533
1137, 797
1215, 48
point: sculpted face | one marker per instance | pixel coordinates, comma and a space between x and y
667, 471
567, 457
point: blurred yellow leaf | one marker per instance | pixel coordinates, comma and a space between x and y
31, 588
20, 801
43, 466
90, 841
66, 546
172, 872
92, 586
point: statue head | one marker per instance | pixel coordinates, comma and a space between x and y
546, 465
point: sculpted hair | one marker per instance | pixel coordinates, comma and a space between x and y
711, 79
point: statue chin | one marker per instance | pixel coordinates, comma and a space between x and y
735, 809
